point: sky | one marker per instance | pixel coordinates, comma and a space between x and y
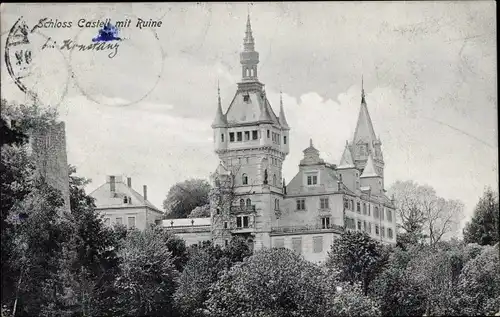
429, 71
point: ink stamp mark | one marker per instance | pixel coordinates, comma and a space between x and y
108, 33
18, 48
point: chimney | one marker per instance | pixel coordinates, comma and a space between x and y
145, 192
129, 182
112, 184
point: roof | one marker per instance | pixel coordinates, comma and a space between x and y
282, 118
103, 198
346, 161
369, 170
250, 107
311, 155
364, 128
220, 118
186, 222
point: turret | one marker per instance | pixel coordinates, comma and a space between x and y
371, 178
220, 126
347, 170
285, 134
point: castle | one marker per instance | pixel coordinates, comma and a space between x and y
250, 198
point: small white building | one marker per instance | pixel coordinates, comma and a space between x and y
119, 203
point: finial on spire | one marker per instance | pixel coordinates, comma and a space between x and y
362, 91
311, 142
248, 42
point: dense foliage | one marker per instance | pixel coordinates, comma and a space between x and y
184, 197
484, 226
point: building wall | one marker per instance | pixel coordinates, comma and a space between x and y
48, 147
307, 249
192, 238
140, 213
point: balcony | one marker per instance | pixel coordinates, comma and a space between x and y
243, 209
307, 228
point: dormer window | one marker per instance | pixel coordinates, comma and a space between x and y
246, 98
312, 179
125, 200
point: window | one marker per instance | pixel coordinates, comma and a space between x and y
376, 213
242, 221
318, 244
389, 233
376, 230
225, 224
125, 200
255, 135
276, 204
245, 179
369, 227
226, 242
119, 220
247, 135
268, 133
131, 222
324, 203
222, 137
301, 204
389, 215
312, 179
382, 230
349, 223
246, 97
279, 243
364, 226
274, 179
382, 213
130, 200
325, 222
242, 203
358, 207
107, 221
231, 136
239, 136
364, 208
297, 245
359, 225
249, 202
346, 204
284, 139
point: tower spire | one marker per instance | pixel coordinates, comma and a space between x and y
249, 58
220, 119
282, 118
362, 91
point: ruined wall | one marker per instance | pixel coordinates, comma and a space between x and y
48, 146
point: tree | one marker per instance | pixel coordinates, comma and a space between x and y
424, 215
185, 196
478, 288
272, 282
484, 225
357, 257
200, 212
147, 279
348, 300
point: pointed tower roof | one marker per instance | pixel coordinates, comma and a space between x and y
248, 41
364, 128
346, 161
220, 118
282, 118
369, 170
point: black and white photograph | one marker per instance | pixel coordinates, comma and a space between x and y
253, 159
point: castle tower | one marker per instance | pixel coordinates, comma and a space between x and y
365, 142
252, 143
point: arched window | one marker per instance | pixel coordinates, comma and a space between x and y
274, 179
249, 202
242, 203
245, 179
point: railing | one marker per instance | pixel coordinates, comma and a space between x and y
243, 209
187, 229
291, 229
